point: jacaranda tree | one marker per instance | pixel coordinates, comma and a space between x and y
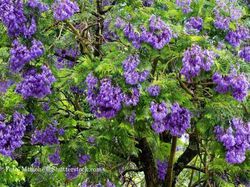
124, 93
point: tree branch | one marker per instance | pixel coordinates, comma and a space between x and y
169, 176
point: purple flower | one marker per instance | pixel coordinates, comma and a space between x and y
195, 59
184, 5
132, 76
4, 85
133, 98
234, 38
45, 106
19, 56
223, 84
109, 184
245, 54
37, 4
131, 118
148, 3
237, 84
132, 36
30, 29
178, 121
37, 163
36, 85
159, 33
64, 9
105, 101
11, 133
61, 131
120, 23
130, 63
12, 16
83, 159
105, 3
37, 49
48, 136
235, 139
158, 111
55, 158
154, 90
194, 25
66, 58
162, 169
143, 75
221, 22
71, 172
158, 126
91, 81
91, 139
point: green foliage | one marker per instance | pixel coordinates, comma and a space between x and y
116, 148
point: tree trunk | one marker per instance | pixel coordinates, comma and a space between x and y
148, 163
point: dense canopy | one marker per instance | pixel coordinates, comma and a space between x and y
125, 93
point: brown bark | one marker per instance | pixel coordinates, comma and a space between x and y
148, 163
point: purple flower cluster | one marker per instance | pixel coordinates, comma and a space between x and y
72, 172
38, 4
48, 136
177, 122
4, 85
131, 75
154, 90
162, 167
226, 7
235, 139
66, 57
132, 35
195, 59
184, 5
221, 22
64, 9
158, 35
21, 55
234, 38
147, 3
235, 83
245, 53
83, 159
194, 25
133, 98
55, 157
11, 133
35, 84
105, 101
12, 16
159, 113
